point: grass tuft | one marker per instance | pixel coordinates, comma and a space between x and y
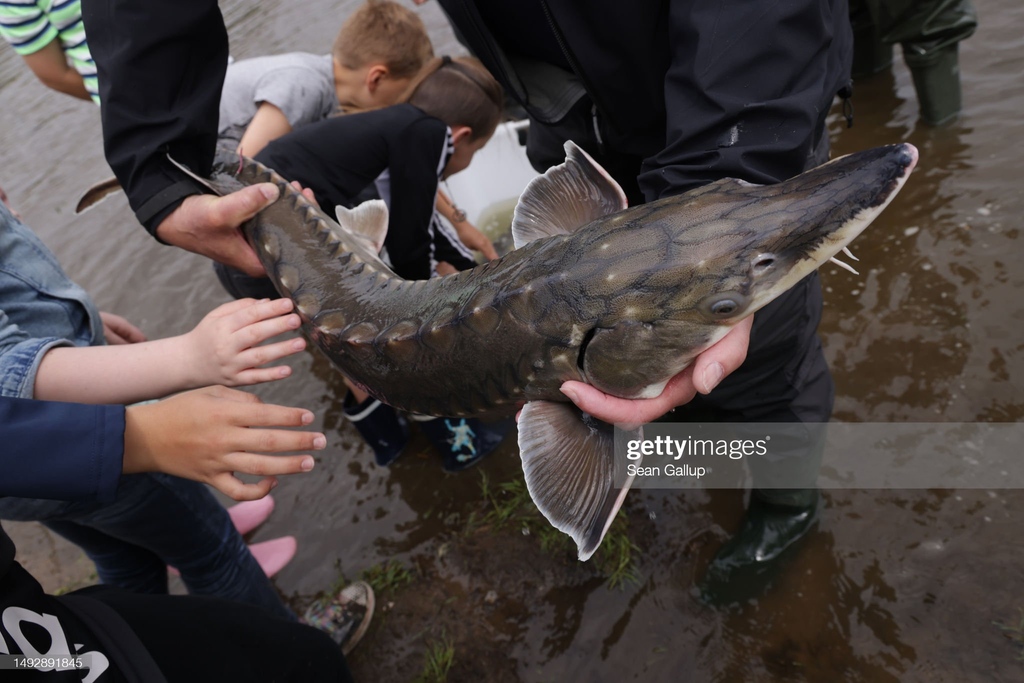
439, 660
387, 577
509, 504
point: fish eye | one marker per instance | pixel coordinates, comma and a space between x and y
724, 305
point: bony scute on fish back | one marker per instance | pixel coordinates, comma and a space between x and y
621, 298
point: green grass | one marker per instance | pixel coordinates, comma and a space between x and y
508, 504
387, 577
1015, 632
440, 657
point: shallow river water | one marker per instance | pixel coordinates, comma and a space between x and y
907, 585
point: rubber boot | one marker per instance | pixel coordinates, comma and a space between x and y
937, 82
743, 566
384, 430
463, 442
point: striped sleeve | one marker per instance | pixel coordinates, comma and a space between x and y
26, 26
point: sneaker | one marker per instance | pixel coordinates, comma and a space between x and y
344, 618
463, 442
380, 425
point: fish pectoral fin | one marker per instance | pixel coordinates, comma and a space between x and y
368, 220
97, 193
566, 198
568, 463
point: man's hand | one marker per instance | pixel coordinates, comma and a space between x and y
208, 434
701, 376
117, 330
210, 225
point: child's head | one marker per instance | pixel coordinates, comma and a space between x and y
381, 47
463, 94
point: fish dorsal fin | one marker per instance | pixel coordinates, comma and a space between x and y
568, 463
566, 198
369, 221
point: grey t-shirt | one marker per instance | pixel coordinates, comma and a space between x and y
299, 84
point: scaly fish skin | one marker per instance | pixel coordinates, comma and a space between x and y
621, 298
634, 290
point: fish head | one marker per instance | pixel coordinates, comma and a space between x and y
739, 246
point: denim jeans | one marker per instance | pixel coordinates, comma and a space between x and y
156, 520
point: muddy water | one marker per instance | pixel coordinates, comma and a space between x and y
892, 586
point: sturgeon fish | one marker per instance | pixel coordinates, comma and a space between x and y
621, 298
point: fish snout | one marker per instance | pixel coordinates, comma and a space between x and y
908, 157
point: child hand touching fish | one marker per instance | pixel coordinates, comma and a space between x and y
224, 348
205, 435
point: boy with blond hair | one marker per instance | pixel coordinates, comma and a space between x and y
379, 49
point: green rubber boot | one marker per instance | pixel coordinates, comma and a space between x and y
745, 564
937, 82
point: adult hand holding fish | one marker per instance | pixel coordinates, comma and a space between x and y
703, 375
209, 225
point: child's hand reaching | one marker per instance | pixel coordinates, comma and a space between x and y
224, 348
208, 435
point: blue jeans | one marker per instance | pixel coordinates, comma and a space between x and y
156, 520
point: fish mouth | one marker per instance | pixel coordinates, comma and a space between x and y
827, 209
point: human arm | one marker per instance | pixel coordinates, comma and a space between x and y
161, 67
27, 27
51, 67
60, 451
69, 451
222, 349
268, 124
469, 234
413, 164
747, 90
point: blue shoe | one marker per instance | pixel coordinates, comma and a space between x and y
380, 425
463, 442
